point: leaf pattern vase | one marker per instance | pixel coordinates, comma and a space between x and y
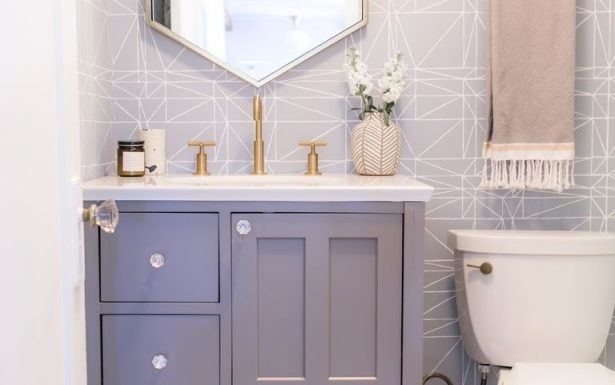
376, 147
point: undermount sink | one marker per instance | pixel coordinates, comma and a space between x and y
256, 180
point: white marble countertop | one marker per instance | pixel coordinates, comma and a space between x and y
269, 188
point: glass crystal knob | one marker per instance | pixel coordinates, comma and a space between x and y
157, 260
243, 227
159, 361
105, 215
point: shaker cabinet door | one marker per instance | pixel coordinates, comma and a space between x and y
317, 299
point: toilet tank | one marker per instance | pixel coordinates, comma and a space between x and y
549, 298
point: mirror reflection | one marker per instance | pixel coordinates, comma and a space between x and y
257, 37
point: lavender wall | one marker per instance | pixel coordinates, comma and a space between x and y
133, 77
95, 83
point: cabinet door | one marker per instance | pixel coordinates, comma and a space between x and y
317, 299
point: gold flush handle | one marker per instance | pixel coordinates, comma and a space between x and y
312, 156
486, 268
201, 158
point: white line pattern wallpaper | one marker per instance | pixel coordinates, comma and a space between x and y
133, 77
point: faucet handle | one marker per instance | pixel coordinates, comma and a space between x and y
312, 156
312, 144
201, 157
201, 144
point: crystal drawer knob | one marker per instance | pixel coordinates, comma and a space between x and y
159, 361
105, 215
243, 227
156, 260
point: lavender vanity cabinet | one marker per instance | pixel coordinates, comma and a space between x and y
256, 294
317, 299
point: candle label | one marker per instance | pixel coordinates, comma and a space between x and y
133, 161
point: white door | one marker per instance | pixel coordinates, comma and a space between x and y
42, 323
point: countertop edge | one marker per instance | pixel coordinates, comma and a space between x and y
103, 188
242, 196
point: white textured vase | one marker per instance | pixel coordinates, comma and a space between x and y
155, 150
376, 147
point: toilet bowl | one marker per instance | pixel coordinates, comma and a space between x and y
539, 304
557, 374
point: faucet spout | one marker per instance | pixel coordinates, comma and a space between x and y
259, 143
257, 108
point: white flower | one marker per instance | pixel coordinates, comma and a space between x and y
359, 80
393, 82
391, 86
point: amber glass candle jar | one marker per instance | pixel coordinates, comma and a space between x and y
130, 158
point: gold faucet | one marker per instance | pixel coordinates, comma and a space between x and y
312, 156
201, 158
259, 144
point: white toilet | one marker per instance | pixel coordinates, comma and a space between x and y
538, 304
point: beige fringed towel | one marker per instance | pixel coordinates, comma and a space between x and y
531, 60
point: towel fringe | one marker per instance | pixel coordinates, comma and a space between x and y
521, 174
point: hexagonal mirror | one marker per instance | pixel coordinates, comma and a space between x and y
257, 40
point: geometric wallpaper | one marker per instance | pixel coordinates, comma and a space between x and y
133, 77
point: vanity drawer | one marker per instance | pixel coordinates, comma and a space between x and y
161, 349
161, 257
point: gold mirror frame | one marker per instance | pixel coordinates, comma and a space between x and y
255, 82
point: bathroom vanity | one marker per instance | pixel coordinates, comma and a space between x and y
256, 280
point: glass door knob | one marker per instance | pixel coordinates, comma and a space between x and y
243, 227
160, 361
104, 215
157, 260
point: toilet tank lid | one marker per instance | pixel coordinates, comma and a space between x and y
532, 242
